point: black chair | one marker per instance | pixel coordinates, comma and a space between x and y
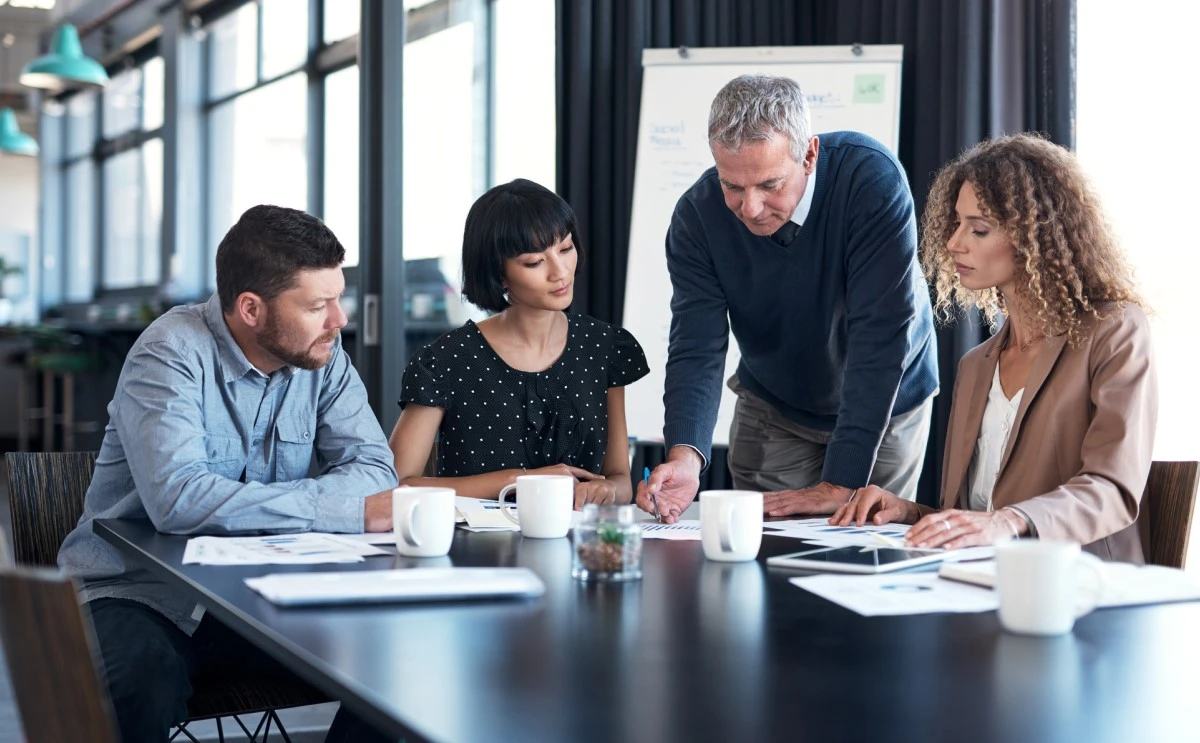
46, 500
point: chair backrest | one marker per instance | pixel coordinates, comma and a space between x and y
49, 649
1168, 502
45, 491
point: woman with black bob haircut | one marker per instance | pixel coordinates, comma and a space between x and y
531, 389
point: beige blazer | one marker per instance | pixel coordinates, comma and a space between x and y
1079, 453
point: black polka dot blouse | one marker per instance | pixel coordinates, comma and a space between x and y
500, 418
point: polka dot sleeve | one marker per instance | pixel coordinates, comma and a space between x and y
423, 383
626, 360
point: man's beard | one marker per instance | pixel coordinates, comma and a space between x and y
277, 342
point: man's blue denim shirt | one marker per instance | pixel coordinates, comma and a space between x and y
200, 442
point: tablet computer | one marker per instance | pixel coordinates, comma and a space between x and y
857, 559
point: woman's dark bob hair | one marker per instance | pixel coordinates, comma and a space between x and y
510, 220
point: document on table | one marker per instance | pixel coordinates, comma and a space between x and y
471, 514
373, 537
893, 594
681, 530
1125, 585
820, 531
483, 514
690, 530
277, 549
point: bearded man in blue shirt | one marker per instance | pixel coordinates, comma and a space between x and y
218, 414
805, 248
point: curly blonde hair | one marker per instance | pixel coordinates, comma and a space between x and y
1067, 258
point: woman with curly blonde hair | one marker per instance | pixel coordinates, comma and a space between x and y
1052, 421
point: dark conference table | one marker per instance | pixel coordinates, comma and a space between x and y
700, 651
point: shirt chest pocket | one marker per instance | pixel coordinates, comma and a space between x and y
226, 457
293, 450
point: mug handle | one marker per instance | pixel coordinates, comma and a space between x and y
1094, 564
504, 507
725, 528
406, 531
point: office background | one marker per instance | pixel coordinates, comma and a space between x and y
387, 118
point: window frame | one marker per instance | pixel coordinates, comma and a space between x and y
102, 150
163, 34
324, 60
321, 61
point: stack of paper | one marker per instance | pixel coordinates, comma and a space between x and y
279, 549
415, 584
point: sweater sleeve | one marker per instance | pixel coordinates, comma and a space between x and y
882, 285
699, 336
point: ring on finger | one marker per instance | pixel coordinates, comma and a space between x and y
946, 523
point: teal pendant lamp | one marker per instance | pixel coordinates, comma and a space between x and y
65, 66
12, 139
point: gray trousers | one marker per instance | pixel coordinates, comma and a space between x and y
769, 452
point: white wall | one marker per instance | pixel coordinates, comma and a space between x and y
1134, 137
19, 214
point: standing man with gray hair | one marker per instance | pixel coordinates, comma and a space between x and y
806, 248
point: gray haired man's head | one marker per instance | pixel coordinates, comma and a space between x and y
757, 108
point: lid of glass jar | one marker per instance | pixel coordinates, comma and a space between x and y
609, 514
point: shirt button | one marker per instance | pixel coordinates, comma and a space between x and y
305, 434
258, 442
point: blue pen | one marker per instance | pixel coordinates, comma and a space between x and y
653, 497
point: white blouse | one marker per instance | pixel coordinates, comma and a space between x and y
989, 448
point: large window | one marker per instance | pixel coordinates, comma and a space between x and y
523, 104
133, 217
342, 20
112, 185
263, 84
443, 172
485, 118
131, 165
267, 111
257, 152
79, 264
1147, 193
341, 159
478, 110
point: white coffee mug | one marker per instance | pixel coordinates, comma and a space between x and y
1040, 590
544, 505
731, 523
423, 521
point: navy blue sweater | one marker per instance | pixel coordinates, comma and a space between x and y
835, 331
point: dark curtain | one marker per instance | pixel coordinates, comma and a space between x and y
972, 69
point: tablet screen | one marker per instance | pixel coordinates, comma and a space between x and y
857, 559
859, 556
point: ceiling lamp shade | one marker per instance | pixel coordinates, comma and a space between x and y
65, 66
12, 139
